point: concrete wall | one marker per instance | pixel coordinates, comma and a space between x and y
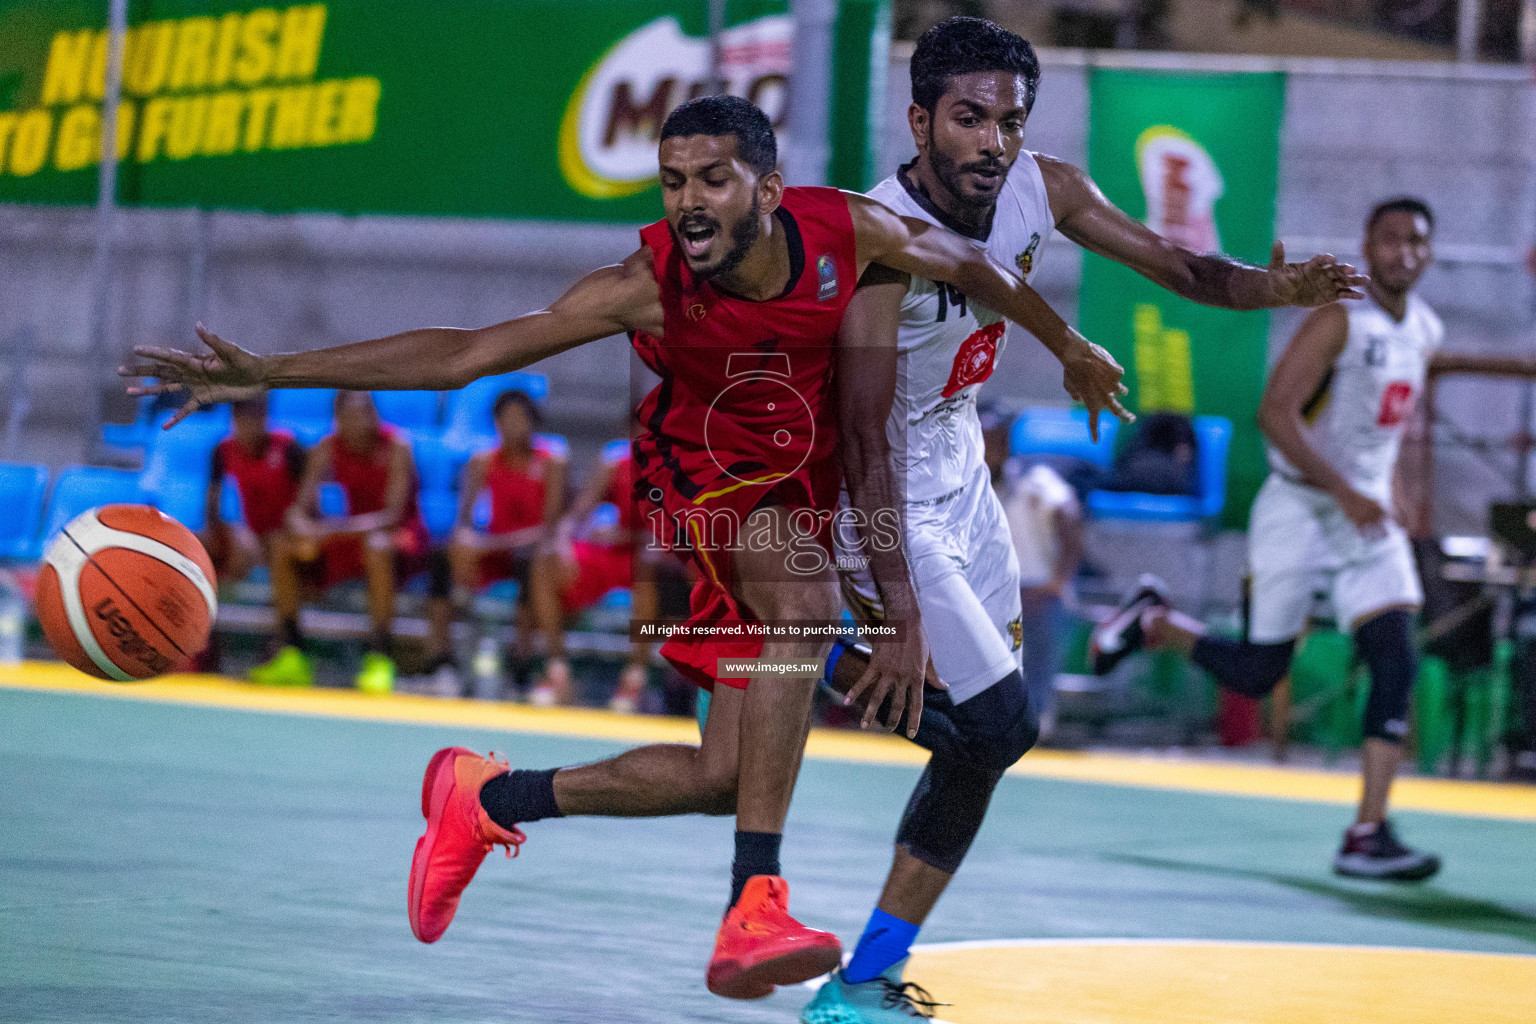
1354, 132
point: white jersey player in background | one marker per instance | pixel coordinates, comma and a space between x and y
1333, 411
972, 86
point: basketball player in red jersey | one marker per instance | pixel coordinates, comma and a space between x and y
381, 539
266, 466
525, 476
592, 555
736, 300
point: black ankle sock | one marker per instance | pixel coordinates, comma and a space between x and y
757, 853
288, 633
519, 797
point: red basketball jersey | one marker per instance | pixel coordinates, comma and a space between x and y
267, 480
517, 490
744, 398
365, 477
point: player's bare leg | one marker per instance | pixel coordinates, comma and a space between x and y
289, 666
377, 674
548, 578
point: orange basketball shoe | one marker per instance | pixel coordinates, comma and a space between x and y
459, 835
759, 945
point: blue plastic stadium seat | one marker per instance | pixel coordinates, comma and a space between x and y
333, 499
231, 508
415, 411
147, 422
1054, 431
307, 412
184, 500
21, 495
438, 509
85, 487
1213, 436
183, 453
438, 463
469, 409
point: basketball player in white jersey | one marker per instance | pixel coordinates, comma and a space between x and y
972, 87
1333, 412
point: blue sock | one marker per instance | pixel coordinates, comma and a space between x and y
885, 941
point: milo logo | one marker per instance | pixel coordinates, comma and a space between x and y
130, 645
1181, 183
612, 124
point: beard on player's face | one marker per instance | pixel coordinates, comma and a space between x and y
717, 260
972, 183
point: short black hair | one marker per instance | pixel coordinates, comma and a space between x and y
1400, 204
728, 115
961, 46
516, 397
360, 397
256, 405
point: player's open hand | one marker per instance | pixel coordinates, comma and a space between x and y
898, 668
1317, 282
224, 373
1091, 376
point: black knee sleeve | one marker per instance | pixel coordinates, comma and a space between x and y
1241, 666
439, 574
973, 744
1385, 644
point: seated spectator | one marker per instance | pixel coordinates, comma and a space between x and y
381, 539
525, 476
592, 556
1159, 458
266, 467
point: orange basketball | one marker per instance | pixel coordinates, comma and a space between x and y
126, 593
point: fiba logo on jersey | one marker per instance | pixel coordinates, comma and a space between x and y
1181, 183
612, 123
826, 277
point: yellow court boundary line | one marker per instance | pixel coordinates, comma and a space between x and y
1440, 796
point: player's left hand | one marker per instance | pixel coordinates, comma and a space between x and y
898, 669
1317, 282
1091, 376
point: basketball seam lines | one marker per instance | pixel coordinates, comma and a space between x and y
91, 561
74, 610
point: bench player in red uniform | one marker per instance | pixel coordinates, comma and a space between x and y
590, 558
524, 476
381, 539
735, 300
266, 467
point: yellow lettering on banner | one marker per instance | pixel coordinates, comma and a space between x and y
298, 55
147, 57
96, 77
152, 129
79, 143
359, 110
259, 112
222, 133
194, 52
185, 135
224, 50
254, 64
126, 112
29, 143
325, 113
7, 125
1164, 374
69, 60
290, 125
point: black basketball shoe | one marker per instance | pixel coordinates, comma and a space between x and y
1377, 854
1121, 635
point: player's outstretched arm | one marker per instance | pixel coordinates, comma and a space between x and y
866, 376
607, 301
1090, 374
1086, 216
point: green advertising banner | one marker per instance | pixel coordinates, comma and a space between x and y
1196, 158
505, 108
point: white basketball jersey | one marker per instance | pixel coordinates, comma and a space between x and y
948, 346
1356, 418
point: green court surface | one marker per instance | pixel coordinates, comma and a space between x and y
169, 863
